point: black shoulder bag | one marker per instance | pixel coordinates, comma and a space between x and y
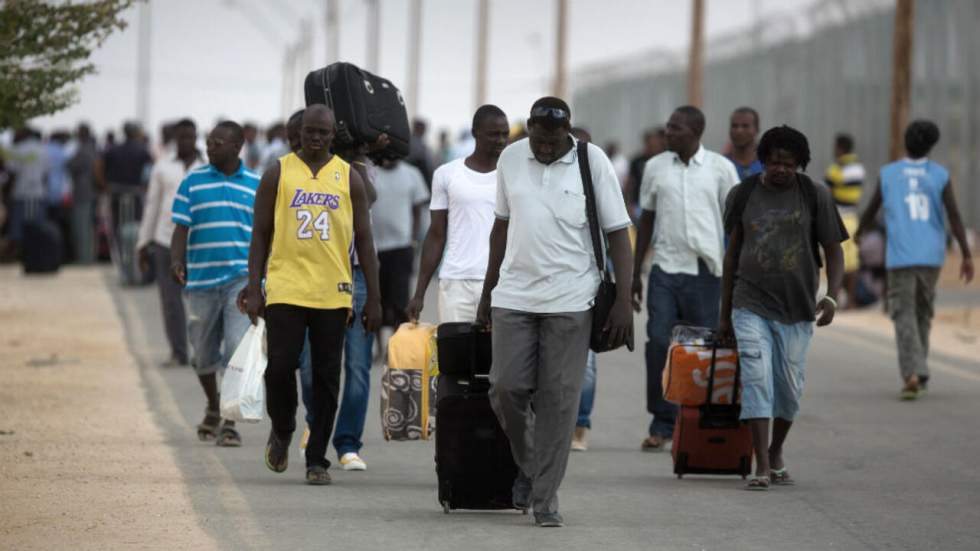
606, 295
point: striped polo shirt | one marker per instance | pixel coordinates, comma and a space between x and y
218, 210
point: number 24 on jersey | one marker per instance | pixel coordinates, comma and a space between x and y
321, 224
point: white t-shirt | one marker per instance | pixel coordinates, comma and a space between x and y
469, 196
399, 189
549, 266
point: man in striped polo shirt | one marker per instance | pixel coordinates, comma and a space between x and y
209, 257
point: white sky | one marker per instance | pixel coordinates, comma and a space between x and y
212, 59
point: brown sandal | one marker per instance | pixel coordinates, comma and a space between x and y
228, 437
207, 430
780, 477
758, 484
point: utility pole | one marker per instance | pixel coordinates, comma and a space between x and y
482, 39
560, 80
901, 73
143, 59
373, 36
333, 32
414, 56
695, 64
288, 75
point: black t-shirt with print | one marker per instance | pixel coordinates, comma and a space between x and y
777, 273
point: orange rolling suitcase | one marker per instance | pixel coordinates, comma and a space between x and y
689, 359
710, 439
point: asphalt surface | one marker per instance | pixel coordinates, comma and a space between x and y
872, 472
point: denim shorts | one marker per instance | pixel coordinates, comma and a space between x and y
215, 325
773, 364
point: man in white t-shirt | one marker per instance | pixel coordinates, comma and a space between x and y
463, 194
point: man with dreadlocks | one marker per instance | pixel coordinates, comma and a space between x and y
775, 222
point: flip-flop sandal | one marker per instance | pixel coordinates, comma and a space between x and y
780, 477
207, 430
758, 484
228, 437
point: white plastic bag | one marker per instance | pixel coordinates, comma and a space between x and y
243, 385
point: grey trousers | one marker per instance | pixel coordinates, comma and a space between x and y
535, 385
171, 302
83, 230
911, 298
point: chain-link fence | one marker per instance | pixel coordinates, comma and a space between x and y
824, 71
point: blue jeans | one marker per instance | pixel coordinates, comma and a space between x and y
215, 325
357, 377
587, 400
773, 360
673, 299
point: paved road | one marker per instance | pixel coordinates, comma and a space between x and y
873, 473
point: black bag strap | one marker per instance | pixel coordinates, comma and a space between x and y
590, 206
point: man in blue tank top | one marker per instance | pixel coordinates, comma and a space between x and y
916, 194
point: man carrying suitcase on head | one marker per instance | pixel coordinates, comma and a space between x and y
543, 277
309, 208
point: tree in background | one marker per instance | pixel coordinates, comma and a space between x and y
44, 48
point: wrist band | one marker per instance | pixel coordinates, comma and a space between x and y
832, 301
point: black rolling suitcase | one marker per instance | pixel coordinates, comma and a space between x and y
473, 459
41, 244
365, 106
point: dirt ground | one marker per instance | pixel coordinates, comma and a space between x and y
82, 464
955, 329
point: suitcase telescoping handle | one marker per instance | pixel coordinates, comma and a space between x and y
720, 414
476, 328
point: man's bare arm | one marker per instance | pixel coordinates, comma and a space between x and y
178, 253
956, 226
498, 247
644, 234
263, 226
868, 218
432, 251
364, 244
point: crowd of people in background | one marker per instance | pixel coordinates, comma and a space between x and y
225, 227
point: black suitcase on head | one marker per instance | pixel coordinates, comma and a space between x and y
474, 463
365, 106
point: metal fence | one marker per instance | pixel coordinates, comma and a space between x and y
825, 71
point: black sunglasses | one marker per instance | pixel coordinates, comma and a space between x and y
549, 113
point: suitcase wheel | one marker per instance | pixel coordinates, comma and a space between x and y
445, 507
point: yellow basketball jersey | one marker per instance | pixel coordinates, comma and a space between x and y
309, 264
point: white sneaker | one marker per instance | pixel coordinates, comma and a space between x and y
352, 462
580, 441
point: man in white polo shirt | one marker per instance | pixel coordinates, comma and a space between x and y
686, 187
463, 195
543, 278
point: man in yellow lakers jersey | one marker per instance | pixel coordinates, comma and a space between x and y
309, 208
